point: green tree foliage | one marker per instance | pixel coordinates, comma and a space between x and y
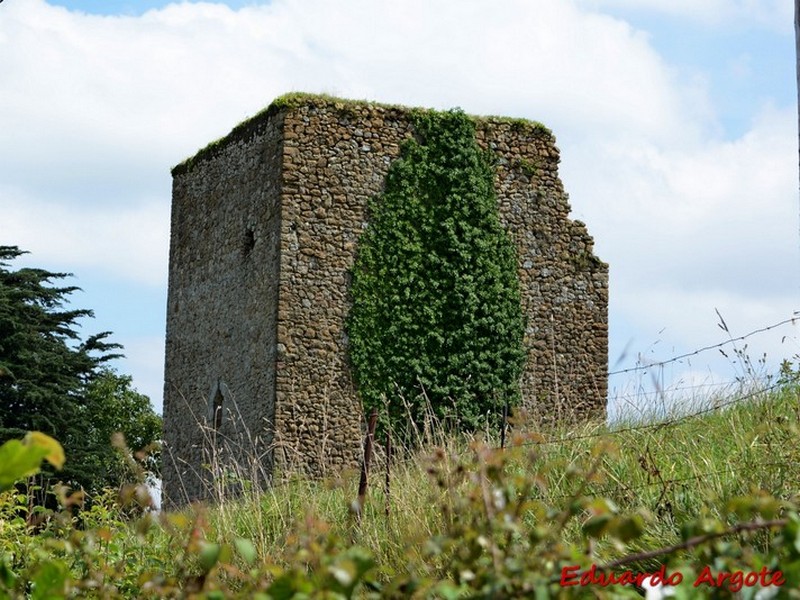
112, 407
436, 303
51, 381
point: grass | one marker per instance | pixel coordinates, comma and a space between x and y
675, 471
462, 515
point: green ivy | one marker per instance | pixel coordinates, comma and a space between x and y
436, 324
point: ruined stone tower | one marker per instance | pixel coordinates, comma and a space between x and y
265, 227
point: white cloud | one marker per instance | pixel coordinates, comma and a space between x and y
98, 93
688, 230
144, 361
95, 110
124, 243
719, 217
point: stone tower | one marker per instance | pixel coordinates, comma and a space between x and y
265, 227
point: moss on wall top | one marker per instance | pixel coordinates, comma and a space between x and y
247, 128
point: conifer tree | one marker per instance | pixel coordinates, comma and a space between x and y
50, 380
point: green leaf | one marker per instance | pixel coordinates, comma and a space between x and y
449, 590
629, 528
344, 573
18, 461
49, 581
209, 554
289, 586
791, 533
597, 526
7, 575
246, 550
55, 453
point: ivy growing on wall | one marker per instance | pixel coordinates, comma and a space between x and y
436, 322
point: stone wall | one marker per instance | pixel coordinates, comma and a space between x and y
221, 312
292, 185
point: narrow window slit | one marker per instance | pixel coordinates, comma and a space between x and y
217, 410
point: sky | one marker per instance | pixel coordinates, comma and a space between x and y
676, 120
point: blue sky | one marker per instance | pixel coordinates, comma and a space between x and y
129, 8
676, 121
744, 67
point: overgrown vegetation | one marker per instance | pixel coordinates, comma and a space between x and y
696, 496
436, 322
345, 106
51, 381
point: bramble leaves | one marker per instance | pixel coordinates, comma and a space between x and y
500, 536
21, 459
55, 453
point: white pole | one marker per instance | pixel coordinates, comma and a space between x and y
797, 60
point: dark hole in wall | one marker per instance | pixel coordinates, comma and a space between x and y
249, 242
217, 410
